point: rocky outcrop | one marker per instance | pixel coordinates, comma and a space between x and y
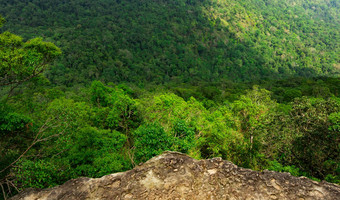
174, 175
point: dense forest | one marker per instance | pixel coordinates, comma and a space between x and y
89, 88
182, 40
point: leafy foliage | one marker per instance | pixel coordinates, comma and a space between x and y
105, 130
317, 148
184, 65
21, 61
150, 140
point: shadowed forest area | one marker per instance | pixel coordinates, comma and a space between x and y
181, 41
90, 88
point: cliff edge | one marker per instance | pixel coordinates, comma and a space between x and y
174, 175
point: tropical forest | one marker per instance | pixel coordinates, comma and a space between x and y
90, 88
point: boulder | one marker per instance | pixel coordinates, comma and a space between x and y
174, 175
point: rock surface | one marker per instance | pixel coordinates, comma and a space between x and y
174, 175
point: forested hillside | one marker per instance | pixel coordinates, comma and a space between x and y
182, 40
89, 88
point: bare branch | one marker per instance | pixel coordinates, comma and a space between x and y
3, 191
13, 185
38, 138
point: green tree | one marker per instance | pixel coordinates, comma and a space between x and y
115, 109
21, 61
253, 110
316, 149
94, 152
150, 140
88, 152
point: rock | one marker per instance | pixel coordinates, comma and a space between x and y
174, 175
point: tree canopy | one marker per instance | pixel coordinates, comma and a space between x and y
255, 82
182, 41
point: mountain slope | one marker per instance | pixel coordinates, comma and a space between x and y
182, 40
